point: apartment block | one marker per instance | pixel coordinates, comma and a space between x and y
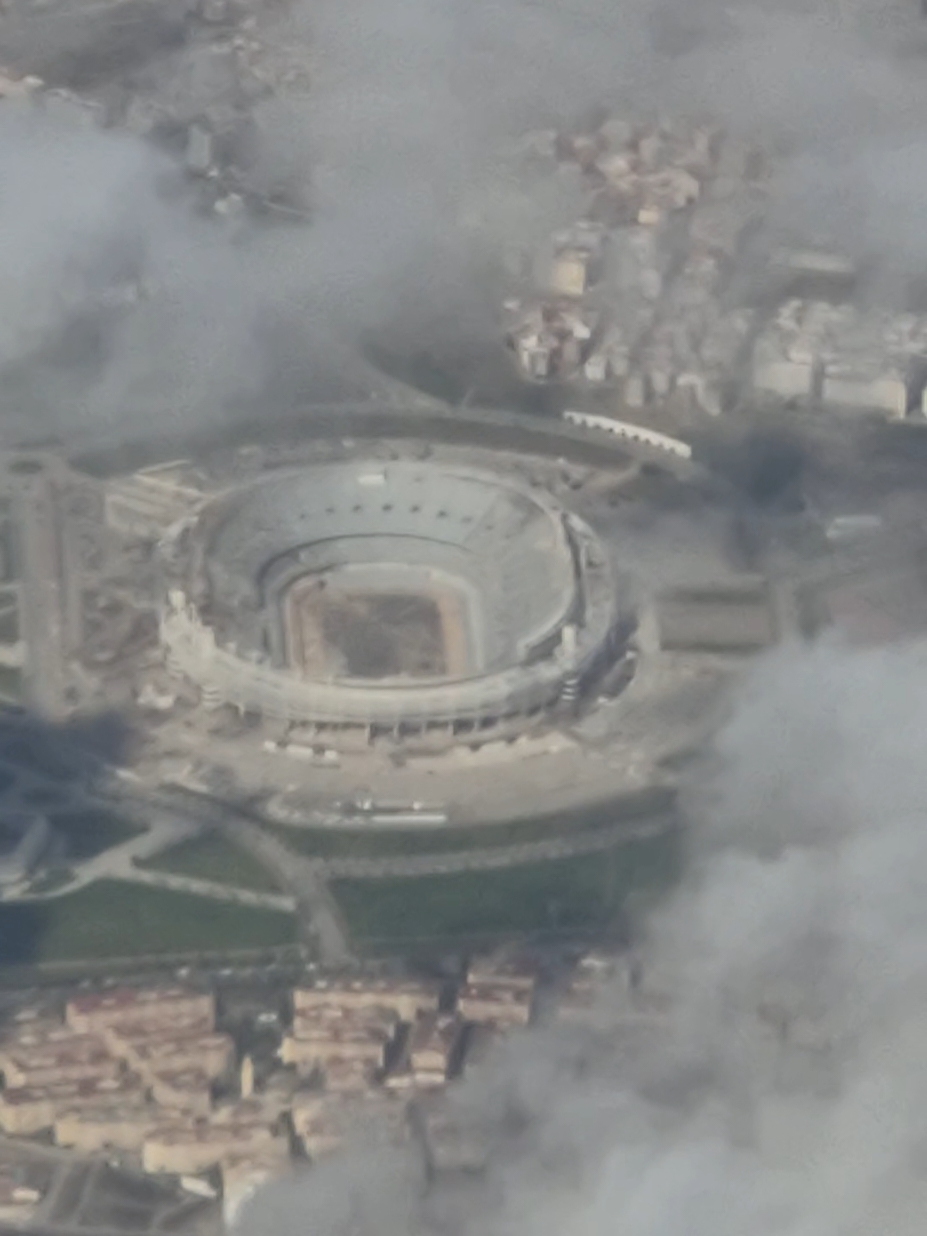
94, 1129
154, 1007
407, 997
189, 1147
28, 1110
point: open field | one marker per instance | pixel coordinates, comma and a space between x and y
113, 918
211, 857
584, 893
385, 842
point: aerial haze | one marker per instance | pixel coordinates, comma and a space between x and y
805, 899
783, 1094
401, 140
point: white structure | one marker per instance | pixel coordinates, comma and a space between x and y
633, 433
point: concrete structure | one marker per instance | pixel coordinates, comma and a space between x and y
264, 1108
633, 433
360, 1035
497, 1005
182, 1089
78, 1057
843, 357
246, 1077
501, 973
123, 1039
730, 616
153, 1007
29, 1110
390, 600
91, 1130
672, 216
433, 1042
210, 1054
407, 997
192, 1148
326, 1019
497, 994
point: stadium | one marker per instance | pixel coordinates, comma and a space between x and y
395, 599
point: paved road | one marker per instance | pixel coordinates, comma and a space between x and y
208, 888
162, 831
318, 912
165, 830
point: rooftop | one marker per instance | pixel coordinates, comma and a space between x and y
196, 1133
129, 998
160, 1047
87, 1088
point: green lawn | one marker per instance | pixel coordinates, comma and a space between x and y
211, 857
585, 892
386, 842
89, 832
113, 919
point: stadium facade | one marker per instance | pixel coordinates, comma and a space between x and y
396, 598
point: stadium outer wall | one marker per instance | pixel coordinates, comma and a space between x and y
512, 697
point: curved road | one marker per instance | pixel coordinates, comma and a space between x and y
317, 910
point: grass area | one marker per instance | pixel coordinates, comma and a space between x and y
586, 892
89, 832
385, 842
114, 919
211, 857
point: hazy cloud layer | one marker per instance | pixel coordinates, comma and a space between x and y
808, 893
399, 137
